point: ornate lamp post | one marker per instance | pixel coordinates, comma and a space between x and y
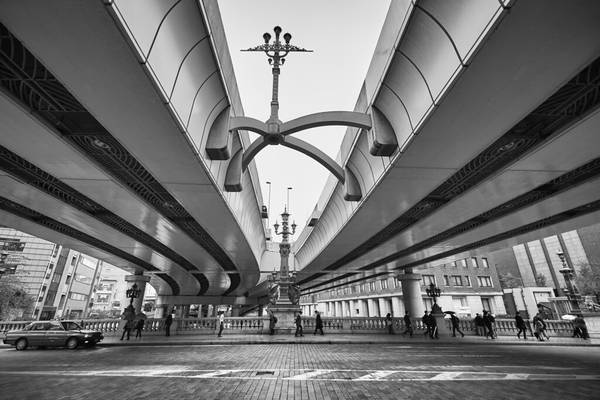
132, 293
287, 287
569, 273
276, 52
434, 292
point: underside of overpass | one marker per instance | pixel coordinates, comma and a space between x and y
487, 110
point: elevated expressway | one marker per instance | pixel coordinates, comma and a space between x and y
106, 108
494, 105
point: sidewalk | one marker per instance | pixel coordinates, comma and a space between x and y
233, 339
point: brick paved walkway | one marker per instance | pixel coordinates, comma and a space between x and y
434, 370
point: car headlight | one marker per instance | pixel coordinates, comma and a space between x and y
87, 335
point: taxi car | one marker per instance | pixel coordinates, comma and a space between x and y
52, 334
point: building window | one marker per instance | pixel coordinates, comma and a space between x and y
73, 260
463, 263
428, 303
487, 304
68, 280
372, 286
474, 262
397, 283
484, 281
446, 280
384, 284
459, 302
77, 296
467, 280
484, 261
428, 280
457, 280
61, 301
453, 264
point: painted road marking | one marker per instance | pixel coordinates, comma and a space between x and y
314, 375
311, 374
375, 376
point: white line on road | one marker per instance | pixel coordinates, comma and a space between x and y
375, 376
310, 374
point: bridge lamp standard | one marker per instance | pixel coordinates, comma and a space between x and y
569, 273
132, 293
434, 292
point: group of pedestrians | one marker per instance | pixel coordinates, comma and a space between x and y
129, 323
484, 325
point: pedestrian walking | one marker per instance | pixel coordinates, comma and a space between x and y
389, 323
298, 321
139, 326
456, 325
272, 322
520, 324
221, 323
580, 328
479, 325
540, 327
433, 327
168, 322
126, 329
318, 323
407, 324
426, 324
488, 322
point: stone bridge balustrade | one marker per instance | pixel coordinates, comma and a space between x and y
331, 325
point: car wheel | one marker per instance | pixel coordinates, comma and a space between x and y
21, 344
72, 343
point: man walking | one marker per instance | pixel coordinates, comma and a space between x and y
479, 325
139, 326
221, 323
168, 322
427, 324
488, 321
318, 323
520, 323
456, 325
298, 324
407, 324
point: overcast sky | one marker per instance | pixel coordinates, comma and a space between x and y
343, 35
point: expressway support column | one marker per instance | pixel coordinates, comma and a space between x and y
411, 293
139, 280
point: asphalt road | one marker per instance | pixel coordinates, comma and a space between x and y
303, 371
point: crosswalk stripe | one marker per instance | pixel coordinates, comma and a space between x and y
445, 376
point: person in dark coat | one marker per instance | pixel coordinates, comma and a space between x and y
488, 322
139, 326
407, 324
127, 329
318, 323
298, 321
389, 323
456, 325
520, 324
580, 328
433, 327
479, 325
427, 324
272, 322
168, 322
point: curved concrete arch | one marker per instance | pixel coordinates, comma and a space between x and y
316, 154
233, 178
252, 151
248, 124
218, 143
382, 139
327, 118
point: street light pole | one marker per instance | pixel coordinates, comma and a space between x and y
569, 273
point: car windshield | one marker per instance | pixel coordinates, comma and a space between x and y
71, 326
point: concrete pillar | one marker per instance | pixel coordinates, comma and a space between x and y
363, 309
411, 292
161, 308
344, 308
383, 309
338, 309
139, 280
397, 309
371, 310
